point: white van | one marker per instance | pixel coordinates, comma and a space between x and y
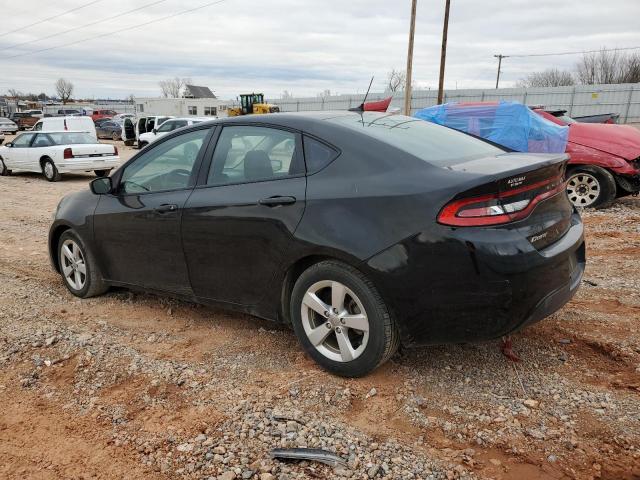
132, 128
61, 124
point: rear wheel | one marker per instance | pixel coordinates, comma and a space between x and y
115, 137
591, 186
50, 171
101, 173
141, 145
341, 320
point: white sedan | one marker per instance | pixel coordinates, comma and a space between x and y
168, 126
54, 153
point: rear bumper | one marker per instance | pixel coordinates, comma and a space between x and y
84, 165
476, 284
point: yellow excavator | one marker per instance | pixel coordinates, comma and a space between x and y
251, 103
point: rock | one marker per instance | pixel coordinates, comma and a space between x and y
219, 450
495, 462
229, 475
552, 459
373, 471
531, 403
50, 341
266, 476
185, 447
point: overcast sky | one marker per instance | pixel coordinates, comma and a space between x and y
304, 47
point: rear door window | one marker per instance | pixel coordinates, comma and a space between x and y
317, 155
248, 154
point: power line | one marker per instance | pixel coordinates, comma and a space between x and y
108, 34
50, 18
83, 26
571, 53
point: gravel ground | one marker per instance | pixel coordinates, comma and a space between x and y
130, 385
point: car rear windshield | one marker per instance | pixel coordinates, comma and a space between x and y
70, 138
432, 143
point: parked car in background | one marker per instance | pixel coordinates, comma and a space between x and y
35, 113
98, 114
60, 124
23, 120
55, 153
100, 121
168, 127
601, 118
605, 160
69, 112
7, 125
295, 218
133, 128
109, 129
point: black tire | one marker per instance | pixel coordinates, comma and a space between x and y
115, 137
4, 171
383, 337
50, 171
93, 282
141, 145
101, 173
584, 175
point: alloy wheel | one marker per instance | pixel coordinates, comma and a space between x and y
74, 267
335, 321
48, 170
583, 189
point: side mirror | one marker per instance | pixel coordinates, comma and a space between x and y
101, 186
10, 144
155, 131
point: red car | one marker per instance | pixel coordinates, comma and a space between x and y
605, 160
98, 114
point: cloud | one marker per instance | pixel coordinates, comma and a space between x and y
302, 47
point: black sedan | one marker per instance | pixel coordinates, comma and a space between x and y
362, 231
108, 129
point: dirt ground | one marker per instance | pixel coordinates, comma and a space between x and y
130, 385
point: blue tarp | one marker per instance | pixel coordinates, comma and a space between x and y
510, 124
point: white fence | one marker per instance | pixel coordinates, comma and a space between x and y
580, 100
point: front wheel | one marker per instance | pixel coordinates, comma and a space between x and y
591, 186
78, 267
50, 171
341, 320
141, 145
4, 171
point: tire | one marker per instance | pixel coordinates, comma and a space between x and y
4, 171
361, 304
50, 171
101, 173
589, 186
84, 285
115, 137
141, 145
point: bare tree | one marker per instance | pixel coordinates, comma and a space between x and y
551, 77
324, 94
630, 71
286, 94
396, 80
172, 87
64, 89
14, 93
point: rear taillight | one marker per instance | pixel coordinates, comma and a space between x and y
498, 208
115, 150
68, 153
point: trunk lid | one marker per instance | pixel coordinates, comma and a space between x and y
515, 191
620, 140
92, 150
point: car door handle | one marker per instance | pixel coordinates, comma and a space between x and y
166, 207
277, 200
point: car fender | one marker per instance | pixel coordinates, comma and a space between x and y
582, 155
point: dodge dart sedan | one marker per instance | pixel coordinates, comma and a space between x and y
363, 231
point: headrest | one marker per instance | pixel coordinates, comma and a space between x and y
257, 165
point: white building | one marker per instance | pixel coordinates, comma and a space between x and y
182, 107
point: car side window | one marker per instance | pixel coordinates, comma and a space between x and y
42, 140
317, 155
166, 126
23, 140
38, 126
248, 154
165, 166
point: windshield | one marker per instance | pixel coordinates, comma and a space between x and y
427, 141
71, 138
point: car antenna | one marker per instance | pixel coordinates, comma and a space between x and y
361, 107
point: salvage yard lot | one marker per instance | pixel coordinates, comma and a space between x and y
132, 385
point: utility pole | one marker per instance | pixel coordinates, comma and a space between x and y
407, 89
443, 54
499, 57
